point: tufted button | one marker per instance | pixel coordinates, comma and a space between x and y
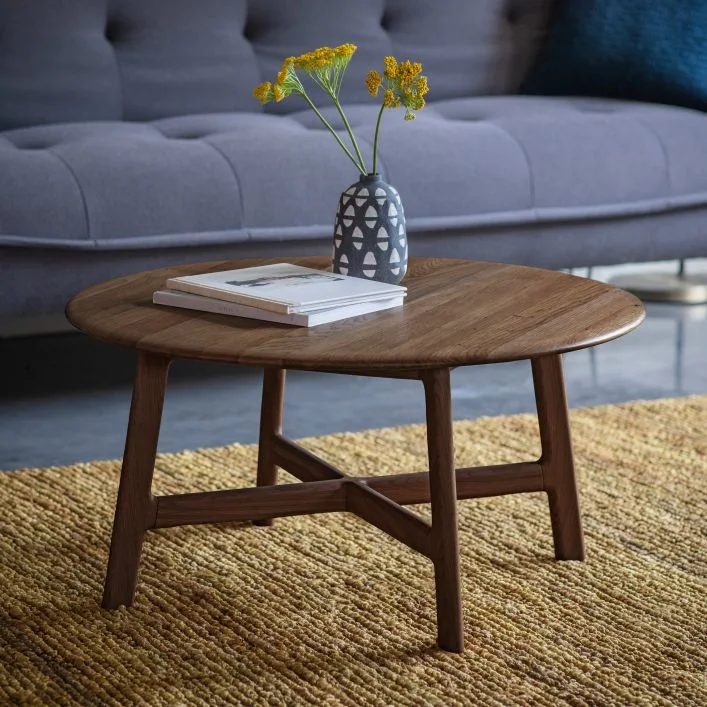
250, 30
513, 13
113, 31
385, 22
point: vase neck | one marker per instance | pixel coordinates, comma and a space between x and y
370, 178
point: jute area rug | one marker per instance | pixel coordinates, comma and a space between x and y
326, 610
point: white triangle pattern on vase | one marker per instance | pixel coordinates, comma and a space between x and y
369, 264
383, 238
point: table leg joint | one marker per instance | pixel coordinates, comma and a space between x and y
388, 516
301, 463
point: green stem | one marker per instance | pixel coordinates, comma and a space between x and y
375, 138
349, 131
359, 166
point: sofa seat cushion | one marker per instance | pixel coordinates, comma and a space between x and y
464, 163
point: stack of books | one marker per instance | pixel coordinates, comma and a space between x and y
282, 293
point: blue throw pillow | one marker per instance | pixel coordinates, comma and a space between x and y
644, 50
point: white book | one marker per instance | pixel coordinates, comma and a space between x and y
284, 287
174, 298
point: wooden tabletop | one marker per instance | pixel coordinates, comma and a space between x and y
457, 312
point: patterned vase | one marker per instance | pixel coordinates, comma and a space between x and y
369, 234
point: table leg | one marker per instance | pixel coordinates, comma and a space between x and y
557, 460
270, 424
443, 496
135, 510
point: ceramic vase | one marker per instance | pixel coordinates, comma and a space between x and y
370, 240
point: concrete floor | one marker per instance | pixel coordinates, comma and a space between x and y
65, 398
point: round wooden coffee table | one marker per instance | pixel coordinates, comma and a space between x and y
457, 313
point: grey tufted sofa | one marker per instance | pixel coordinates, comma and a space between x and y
129, 139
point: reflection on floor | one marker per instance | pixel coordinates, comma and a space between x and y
65, 398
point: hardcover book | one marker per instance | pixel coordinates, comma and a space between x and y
285, 288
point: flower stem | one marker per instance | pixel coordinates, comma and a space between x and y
359, 165
375, 138
349, 131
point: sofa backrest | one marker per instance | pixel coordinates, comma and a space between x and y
137, 60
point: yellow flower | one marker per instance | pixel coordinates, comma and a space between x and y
263, 92
318, 59
408, 70
282, 75
401, 84
391, 67
373, 82
345, 51
390, 100
404, 86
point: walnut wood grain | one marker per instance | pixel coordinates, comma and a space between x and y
414, 487
443, 497
472, 482
457, 312
136, 509
233, 505
388, 516
320, 496
273, 400
251, 504
557, 459
301, 463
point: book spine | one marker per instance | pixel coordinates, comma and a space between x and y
217, 293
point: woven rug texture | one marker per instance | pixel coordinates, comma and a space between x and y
327, 610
